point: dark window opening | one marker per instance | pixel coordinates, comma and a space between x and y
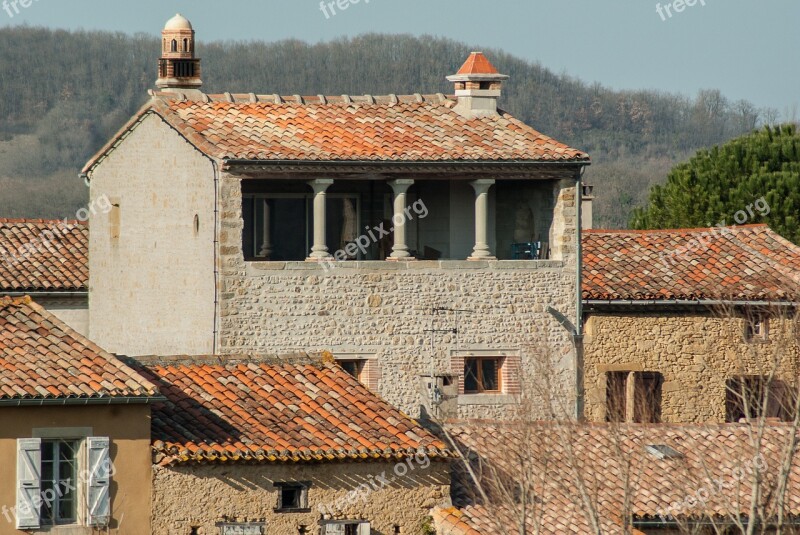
185, 45
756, 396
353, 367
482, 375
486, 85
280, 228
647, 398
292, 497
616, 396
645, 405
174, 46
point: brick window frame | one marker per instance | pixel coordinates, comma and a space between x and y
509, 373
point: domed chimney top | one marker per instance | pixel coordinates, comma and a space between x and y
178, 22
179, 67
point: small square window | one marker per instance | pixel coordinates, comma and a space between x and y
292, 497
483, 375
756, 328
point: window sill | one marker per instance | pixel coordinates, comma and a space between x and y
297, 510
487, 399
63, 530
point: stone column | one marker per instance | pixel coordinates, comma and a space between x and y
320, 250
266, 245
400, 247
630, 397
481, 251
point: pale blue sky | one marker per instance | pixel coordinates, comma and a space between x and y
747, 48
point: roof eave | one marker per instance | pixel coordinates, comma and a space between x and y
601, 303
462, 168
76, 401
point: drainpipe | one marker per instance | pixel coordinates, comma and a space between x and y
215, 333
578, 335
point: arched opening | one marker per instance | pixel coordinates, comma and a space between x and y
174, 45
186, 45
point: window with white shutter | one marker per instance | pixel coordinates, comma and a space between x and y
29, 468
98, 499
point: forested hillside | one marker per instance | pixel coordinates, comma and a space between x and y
63, 94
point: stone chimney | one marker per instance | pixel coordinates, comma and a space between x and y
178, 69
587, 213
478, 86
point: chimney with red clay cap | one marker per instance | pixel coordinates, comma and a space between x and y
478, 86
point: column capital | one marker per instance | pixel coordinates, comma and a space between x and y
320, 184
401, 185
482, 185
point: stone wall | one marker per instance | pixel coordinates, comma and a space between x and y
192, 499
151, 258
385, 310
695, 352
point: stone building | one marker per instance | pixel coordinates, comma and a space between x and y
75, 452
413, 236
684, 325
47, 260
90, 442
296, 445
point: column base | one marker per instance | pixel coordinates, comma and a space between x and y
477, 258
403, 259
319, 259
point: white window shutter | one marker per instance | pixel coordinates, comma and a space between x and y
29, 484
98, 499
364, 529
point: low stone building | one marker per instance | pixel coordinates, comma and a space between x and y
47, 260
292, 445
690, 325
556, 478
74, 431
411, 235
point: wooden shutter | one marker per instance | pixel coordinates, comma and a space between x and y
29, 484
98, 500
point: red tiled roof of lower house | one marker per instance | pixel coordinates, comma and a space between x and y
41, 358
259, 409
734, 263
347, 129
576, 472
43, 255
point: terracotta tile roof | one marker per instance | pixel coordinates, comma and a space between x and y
41, 358
347, 129
43, 255
605, 457
477, 63
268, 410
736, 263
